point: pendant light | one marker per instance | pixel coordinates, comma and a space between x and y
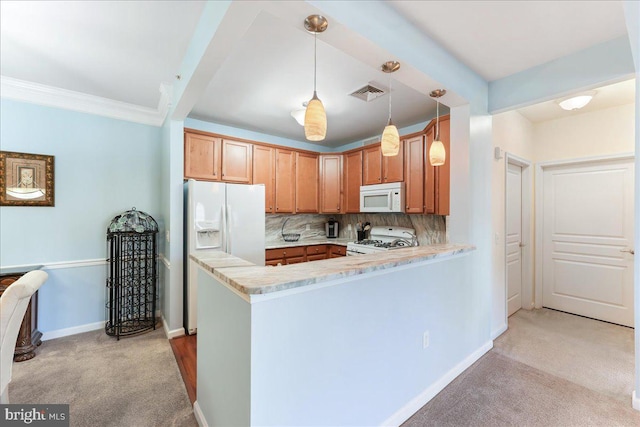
315, 118
437, 153
390, 141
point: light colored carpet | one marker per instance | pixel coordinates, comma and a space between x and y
132, 382
548, 369
591, 353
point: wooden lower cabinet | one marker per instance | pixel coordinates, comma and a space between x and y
297, 254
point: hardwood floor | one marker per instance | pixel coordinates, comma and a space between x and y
185, 349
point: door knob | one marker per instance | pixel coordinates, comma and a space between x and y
522, 245
631, 251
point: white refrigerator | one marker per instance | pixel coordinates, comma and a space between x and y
220, 217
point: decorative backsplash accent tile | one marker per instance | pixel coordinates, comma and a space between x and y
430, 229
296, 224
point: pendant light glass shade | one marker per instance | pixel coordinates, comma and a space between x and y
437, 153
390, 143
315, 120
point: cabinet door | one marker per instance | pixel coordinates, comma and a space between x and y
372, 165
236, 161
264, 172
285, 184
429, 177
330, 183
201, 157
414, 182
393, 166
306, 183
442, 173
352, 174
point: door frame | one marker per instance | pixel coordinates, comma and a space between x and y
539, 206
526, 291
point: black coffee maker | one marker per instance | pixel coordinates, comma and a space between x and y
332, 228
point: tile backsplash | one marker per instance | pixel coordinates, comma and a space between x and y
430, 229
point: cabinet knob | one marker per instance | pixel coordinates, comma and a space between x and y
284, 252
277, 208
338, 207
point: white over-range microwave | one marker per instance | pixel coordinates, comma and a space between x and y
382, 197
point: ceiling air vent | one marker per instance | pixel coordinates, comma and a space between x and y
368, 93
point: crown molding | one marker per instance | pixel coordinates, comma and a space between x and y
35, 93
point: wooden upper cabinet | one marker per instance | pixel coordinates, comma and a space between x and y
393, 166
306, 182
237, 161
414, 174
285, 181
352, 178
442, 173
330, 183
264, 172
201, 157
371, 165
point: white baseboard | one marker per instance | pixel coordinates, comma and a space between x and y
171, 333
423, 398
59, 333
635, 401
502, 329
202, 421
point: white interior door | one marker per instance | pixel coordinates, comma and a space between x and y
587, 235
514, 238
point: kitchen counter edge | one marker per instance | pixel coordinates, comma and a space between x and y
257, 280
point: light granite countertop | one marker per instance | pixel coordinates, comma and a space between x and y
254, 280
307, 242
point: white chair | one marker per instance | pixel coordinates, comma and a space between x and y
13, 306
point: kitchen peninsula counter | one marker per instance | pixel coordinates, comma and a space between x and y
250, 279
307, 343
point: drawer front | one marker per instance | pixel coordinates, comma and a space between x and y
338, 251
275, 262
295, 260
284, 252
316, 249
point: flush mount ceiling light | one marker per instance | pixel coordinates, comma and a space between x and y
437, 153
390, 141
576, 102
315, 118
299, 114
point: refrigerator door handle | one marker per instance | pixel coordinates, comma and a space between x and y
223, 229
227, 228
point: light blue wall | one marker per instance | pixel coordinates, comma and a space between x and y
102, 167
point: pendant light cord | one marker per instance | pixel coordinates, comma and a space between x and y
437, 120
389, 98
315, 59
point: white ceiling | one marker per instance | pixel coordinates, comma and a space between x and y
125, 50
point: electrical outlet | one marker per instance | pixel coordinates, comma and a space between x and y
166, 235
425, 339
308, 227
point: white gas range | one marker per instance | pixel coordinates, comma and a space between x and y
382, 239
